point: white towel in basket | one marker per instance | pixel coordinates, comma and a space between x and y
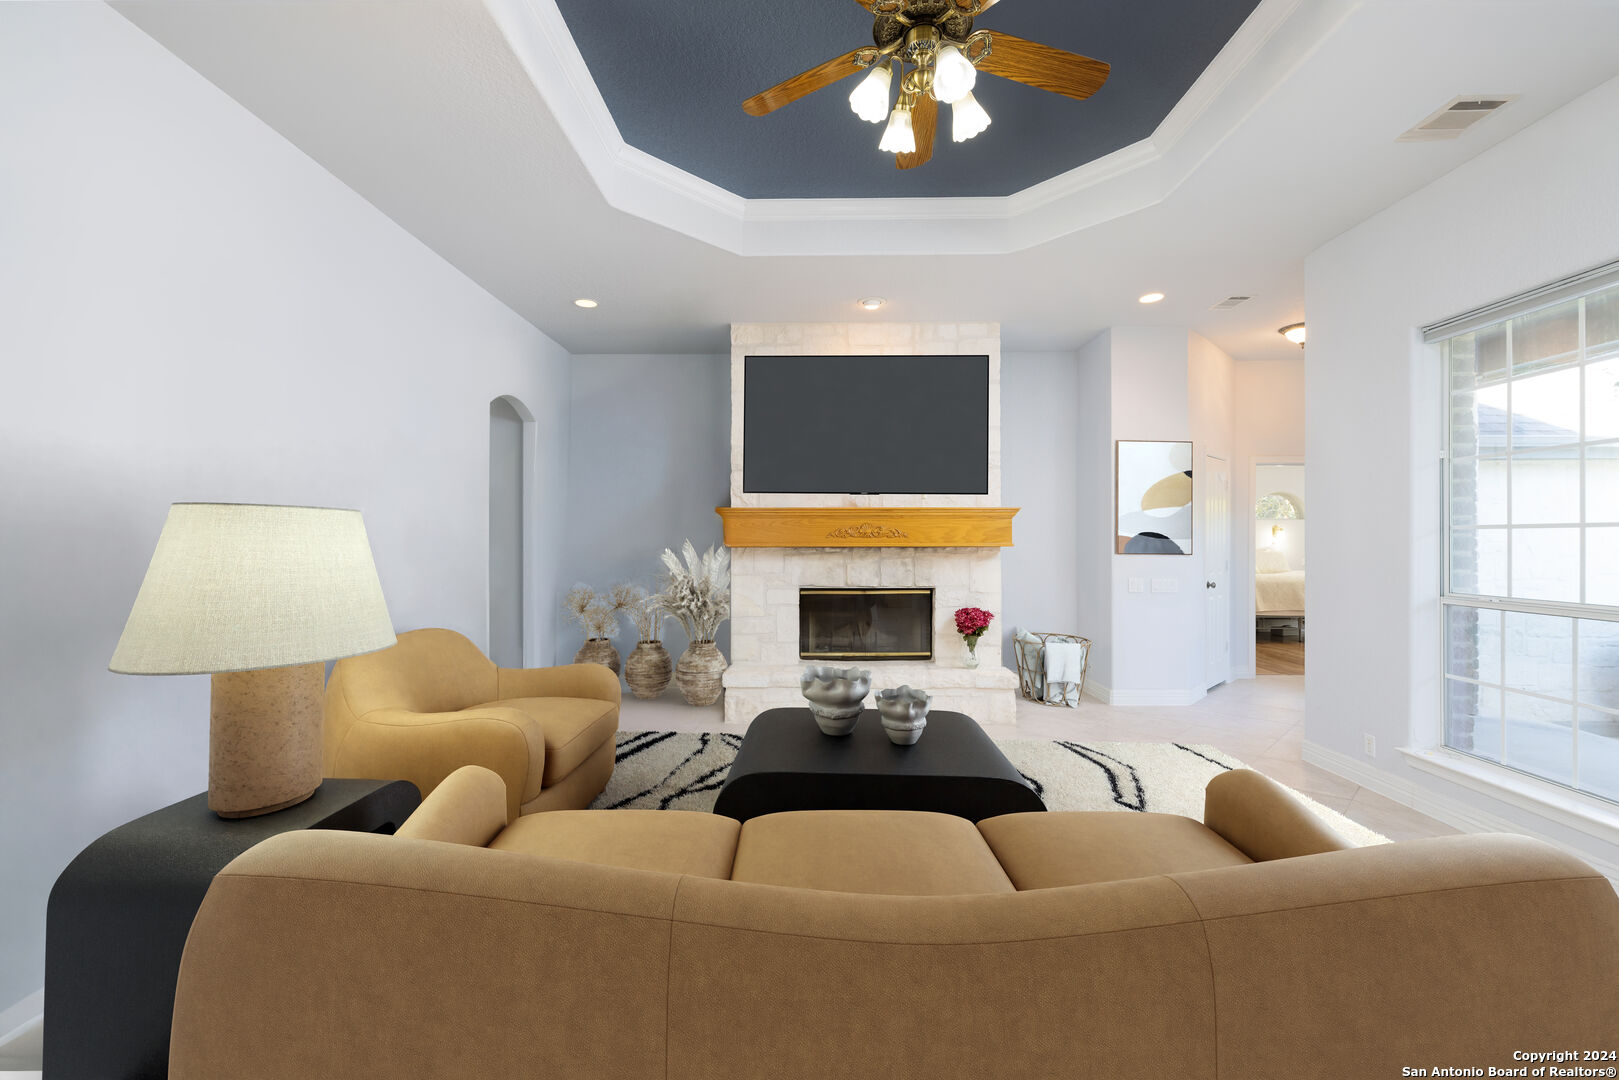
1065, 662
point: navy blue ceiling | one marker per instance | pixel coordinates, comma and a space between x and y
675, 74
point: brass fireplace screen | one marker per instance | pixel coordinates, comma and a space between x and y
865, 624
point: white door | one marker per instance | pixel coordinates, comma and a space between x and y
1217, 570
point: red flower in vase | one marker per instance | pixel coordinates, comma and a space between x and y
971, 622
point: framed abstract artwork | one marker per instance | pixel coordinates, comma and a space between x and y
1153, 498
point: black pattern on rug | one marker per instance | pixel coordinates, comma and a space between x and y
1135, 798
1205, 757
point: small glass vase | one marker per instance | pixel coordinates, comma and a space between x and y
972, 655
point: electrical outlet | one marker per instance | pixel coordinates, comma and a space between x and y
1371, 745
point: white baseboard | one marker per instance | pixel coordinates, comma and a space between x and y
1452, 812
21, 1017
1097, 692
1155, 697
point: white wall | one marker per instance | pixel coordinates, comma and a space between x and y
1269, 424
192, 309
1093, 497
1534, 208
649, 461
1287, 480
1167, 384
1043, 455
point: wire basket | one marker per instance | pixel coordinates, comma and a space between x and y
1031, 669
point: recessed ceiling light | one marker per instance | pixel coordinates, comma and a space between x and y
584, 302
1152, 298
872, 303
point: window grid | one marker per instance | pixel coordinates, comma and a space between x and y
1505, 603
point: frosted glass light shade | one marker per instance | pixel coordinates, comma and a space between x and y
234, 587
953, 75
967, 118
869, 99
898, 137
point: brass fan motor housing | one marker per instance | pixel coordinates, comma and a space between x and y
891, 26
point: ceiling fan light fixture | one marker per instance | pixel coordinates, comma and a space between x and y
953, 75
869, 100
967, 118
898, 137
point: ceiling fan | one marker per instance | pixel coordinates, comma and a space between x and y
937, 54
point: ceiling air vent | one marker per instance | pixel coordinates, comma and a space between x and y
1456, 117
1230, 302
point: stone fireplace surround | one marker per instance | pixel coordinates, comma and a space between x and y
764, 663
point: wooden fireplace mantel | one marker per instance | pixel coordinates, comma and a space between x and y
868, 526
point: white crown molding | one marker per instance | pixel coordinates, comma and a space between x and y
1269, 45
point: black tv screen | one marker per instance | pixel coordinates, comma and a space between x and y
866, 424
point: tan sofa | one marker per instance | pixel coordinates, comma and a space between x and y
433, 703
847, 944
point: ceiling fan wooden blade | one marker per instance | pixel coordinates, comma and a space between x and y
924, 122
1043, 67
804, 83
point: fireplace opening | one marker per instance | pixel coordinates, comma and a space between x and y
865, 624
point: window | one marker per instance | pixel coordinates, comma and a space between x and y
1531, 604
1277, 505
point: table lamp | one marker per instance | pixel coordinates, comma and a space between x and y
259, 597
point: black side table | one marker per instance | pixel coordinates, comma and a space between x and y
118, 917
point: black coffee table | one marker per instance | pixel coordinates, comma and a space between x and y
785, 763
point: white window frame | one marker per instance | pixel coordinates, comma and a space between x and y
1586, 811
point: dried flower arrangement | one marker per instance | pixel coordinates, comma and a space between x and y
697, 594
596, 615
644, 611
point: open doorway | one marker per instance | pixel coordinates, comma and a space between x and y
1280, 556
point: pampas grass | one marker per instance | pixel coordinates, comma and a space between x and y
697, 594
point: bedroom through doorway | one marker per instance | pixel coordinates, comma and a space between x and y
1279, 568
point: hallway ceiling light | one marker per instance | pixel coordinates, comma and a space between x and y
1152, 298
1294, 333
584, 302
872, 303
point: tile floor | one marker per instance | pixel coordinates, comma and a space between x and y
1260, 721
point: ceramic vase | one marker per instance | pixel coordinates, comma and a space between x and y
648, 669
836, 696
698, 673
598, 650
905, 714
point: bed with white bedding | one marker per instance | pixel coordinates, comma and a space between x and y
1278, 590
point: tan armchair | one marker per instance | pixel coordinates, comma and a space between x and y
433, 703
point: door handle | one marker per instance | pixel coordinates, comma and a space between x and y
1210, 585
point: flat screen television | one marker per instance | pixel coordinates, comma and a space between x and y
866, 425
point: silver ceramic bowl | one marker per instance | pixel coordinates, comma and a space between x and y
835, 696
905, 713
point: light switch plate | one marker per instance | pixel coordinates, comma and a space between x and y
1138, 584
1166, 584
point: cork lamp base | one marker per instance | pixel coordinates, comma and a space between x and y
264, 740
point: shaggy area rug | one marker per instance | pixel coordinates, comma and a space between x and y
669, 770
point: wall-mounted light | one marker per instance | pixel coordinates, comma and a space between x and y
1294, 333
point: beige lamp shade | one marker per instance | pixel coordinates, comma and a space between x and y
235, 587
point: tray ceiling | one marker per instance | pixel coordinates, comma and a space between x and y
674, 76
